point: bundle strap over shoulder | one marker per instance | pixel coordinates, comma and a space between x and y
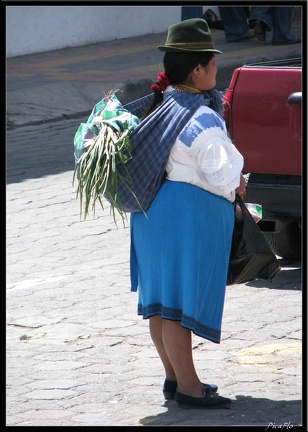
151, 142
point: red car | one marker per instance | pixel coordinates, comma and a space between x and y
263, 112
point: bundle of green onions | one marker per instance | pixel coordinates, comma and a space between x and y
101, 144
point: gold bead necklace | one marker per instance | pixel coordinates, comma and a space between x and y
183, 87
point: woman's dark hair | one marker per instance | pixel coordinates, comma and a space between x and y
179, 64
177, 67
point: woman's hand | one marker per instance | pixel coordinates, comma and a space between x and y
241, 190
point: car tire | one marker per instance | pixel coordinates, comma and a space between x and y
286, 241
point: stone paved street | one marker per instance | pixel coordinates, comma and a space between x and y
77, 353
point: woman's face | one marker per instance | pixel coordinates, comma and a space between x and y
203, 77
209, 77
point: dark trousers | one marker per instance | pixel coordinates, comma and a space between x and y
191, 12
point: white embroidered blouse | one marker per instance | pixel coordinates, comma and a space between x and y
204, 155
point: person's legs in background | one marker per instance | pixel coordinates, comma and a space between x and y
235, 23
188, 12
278, 19
262, 19
282, 27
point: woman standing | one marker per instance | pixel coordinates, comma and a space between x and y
180, 249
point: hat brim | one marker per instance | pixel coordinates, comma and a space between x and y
173, 49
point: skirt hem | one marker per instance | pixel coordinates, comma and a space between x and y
198, 329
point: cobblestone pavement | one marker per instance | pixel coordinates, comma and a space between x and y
77, 353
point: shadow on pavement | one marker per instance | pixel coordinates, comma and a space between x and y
289, 278
36, 151
244, 411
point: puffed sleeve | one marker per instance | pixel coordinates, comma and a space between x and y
217, 157
220, 161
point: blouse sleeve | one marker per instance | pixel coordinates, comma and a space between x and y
220, 161
218, 158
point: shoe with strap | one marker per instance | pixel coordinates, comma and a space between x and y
170, 387
209, 399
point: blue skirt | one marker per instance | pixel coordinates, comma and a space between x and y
180, 255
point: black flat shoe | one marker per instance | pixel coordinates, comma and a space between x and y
170, 387
210, 399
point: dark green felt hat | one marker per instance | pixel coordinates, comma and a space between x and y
191, 35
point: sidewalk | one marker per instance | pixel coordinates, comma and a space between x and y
77, 354
66, 83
